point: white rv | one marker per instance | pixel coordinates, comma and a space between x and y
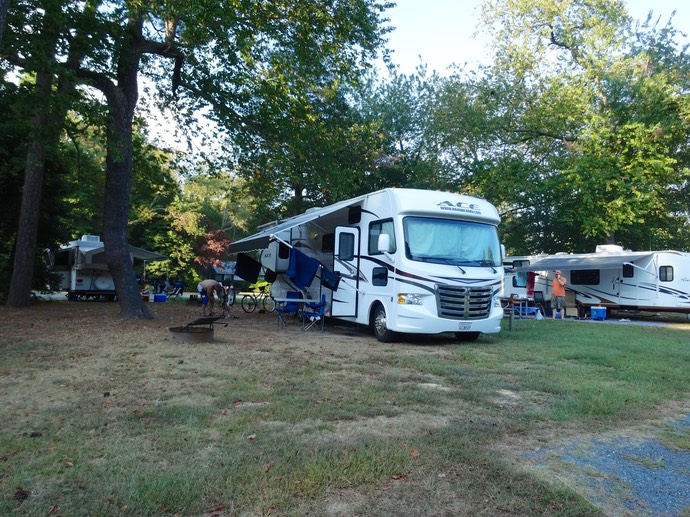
83, 271
612, 277
409, 261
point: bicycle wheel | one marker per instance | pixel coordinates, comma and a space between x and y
231, 297
268, 303
248, 303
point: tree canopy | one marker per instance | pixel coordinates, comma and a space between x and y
577, 130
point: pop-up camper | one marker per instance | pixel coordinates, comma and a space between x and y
612, 277
404, 260
83, 271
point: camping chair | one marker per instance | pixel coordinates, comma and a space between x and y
284, 308
540, 302
177, 290
313, 314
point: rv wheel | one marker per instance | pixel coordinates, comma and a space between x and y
381, 331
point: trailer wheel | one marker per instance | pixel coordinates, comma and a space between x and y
466, 336
381, 331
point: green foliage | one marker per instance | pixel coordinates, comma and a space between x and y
599, 115
14, 140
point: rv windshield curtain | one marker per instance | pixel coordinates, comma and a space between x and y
451, 242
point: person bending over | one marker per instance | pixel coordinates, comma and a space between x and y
209, 290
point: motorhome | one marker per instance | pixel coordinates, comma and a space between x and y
615, 278
83, 271
407, 260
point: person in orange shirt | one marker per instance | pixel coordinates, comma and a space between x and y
558, 294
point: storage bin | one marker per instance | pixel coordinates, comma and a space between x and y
598, 313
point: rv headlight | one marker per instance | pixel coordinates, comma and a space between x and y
409, 299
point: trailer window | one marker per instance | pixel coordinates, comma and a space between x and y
381, 228
666, 274
585, 277
520, 280
449, 241
628, 271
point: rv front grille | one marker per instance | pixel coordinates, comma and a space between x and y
463, 303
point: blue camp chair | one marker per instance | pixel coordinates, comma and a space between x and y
313, 314
286, 308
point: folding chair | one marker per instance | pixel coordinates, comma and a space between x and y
285, 308
313, 314
540, 302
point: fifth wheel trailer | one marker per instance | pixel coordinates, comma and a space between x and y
409, 261
657, 281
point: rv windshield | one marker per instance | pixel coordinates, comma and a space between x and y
448, 241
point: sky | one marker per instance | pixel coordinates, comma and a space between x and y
441, 30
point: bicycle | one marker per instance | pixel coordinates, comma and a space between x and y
250, 301
225, 302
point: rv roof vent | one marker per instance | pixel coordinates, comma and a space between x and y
91, 238
609, 248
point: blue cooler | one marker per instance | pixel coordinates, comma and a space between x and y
598, 313
159, 297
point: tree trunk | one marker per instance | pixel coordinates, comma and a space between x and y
34, 172
122, 99
3, 14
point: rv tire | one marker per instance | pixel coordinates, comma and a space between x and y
378, 322
466, 336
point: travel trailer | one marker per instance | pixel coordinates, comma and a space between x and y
83, 271
403, 260
615, 278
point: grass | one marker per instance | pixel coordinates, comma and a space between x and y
138, 428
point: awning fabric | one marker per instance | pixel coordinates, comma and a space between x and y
585, 261
329, 216
149, 256
137, 253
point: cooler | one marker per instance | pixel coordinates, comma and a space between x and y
598, 313
159, 297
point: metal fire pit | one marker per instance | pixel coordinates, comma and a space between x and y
194, 332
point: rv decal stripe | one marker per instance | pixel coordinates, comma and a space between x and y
434, 279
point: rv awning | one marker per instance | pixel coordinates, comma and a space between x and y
137, 253
149, 256
570, 262
328, 217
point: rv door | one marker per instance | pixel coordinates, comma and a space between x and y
346, 263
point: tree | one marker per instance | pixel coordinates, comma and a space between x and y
595, 114
314, 150
214, 55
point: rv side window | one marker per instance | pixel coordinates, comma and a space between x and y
346, 247
520, 280
584, 277
379, 228
328, 242
628, 271
666, 273
379, 276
